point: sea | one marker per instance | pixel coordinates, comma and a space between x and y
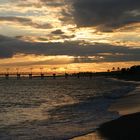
57, 109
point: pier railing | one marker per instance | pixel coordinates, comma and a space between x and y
42, 75
7, 75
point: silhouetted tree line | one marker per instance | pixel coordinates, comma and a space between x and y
132, 73
132, 70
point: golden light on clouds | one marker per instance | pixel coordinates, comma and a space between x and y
59, 64
58, 21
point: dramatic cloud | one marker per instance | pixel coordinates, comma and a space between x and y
106, 14
40, 3
101, 52
25, 22
84, 31
57, 32
47, 60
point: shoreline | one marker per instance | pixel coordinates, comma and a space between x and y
124, 128
128, 108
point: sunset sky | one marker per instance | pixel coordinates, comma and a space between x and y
72, 35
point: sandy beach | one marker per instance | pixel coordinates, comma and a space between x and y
124, 128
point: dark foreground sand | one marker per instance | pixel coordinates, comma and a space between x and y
126, 127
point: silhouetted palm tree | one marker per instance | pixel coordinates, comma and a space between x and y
113, 69
118, 69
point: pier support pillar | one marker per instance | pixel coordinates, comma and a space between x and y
42, 76
54, 76
30, 76
66, 76
78, 75
18, 76
7, 76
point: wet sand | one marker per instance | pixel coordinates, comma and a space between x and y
91, 136
129, 104
126, 127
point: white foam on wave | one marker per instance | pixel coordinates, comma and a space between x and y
57, 109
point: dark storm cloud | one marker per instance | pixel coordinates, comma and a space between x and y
25, 22
106, 14
67, 36
57, 32
12, 46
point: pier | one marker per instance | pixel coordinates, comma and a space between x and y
41, 75
29, 75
